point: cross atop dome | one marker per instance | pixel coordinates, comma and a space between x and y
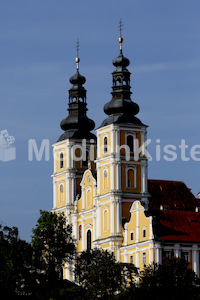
77, 56
120, 26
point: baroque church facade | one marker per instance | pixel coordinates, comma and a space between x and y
107, 197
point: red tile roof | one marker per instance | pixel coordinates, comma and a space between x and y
179, 226
174, 209
172, 195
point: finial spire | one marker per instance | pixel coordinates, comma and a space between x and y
120, 27
77, 56
120, 33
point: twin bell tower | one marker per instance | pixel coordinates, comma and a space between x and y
96, 178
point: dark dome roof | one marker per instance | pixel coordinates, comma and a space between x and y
77, 79
121, 61
124, 106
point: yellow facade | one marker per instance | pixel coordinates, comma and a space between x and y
98, 202
103, 203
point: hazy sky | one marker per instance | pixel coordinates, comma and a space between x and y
37, 57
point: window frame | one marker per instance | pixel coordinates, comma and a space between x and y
105, 147
132, 233
133, 134
61, 161
105, 209
144, 258
134, 169
105, 178
131, 259
188, 254
61, 184
144, 232
131, 147
89, 229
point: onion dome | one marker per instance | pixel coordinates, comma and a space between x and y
121, 109
77, 125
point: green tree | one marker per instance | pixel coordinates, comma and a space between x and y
15, 263
101, 276
174, 278
53, 246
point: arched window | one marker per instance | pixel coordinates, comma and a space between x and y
144, 232
79, 232
105, 144
130, 142
105, 179
119, 81
61, 160
105, 220
131, 178
132, 236
89, 240
61, 192
131, 259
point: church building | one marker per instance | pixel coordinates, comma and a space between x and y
103, 188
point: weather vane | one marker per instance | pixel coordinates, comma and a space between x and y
77, 51
120, 32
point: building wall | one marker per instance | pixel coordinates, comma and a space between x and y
103, 203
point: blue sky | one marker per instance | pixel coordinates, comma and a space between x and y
37, 52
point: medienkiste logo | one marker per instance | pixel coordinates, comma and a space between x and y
7, 151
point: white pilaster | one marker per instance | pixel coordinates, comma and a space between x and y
158, 254
112, 170
117, 140
112, 215
73, 178
67, 188
117, 215
137, 257
98, 220
117, 253
98, 179
177, 251
68, 154
118, 205
125, 235
112, 140
118, 175
142, 142
195, 259
125, 256
98, 145
150, 229
137, 224
151, 254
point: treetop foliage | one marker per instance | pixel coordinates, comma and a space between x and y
35, 270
